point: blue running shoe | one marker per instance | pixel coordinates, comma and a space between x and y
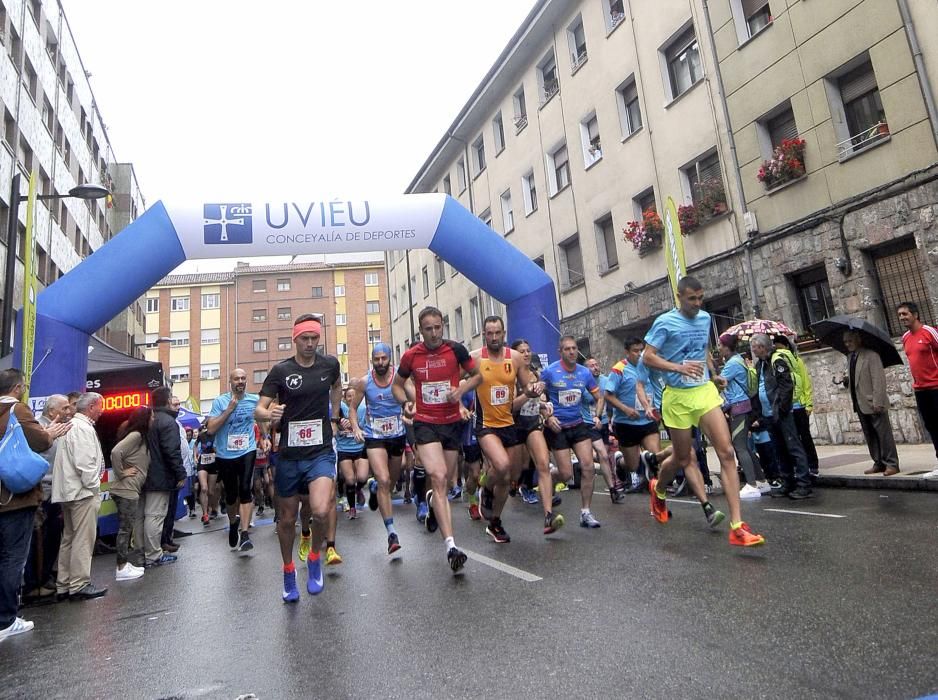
314, 583
422, 511
290, 594
529, 496
455, 493
372, 494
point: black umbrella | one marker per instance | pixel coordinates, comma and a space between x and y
830, 331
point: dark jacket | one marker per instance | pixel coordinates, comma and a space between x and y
779, 385
166, 468
38, 440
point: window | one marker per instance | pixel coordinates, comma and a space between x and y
461, 175
259, 285
151, 340
284, 343
498, 132
508, 216
211, 371
179, 304
153, 305
589, 133
862, 110
757, 14
539, 261
630, 114
576, 38
205, 406
179, 339
571, 261
475, 319
781, 127
529, 193
614, 13
283, 285
547, 77
259, 315
558, 169
394, 305
725, 310
814, 296
211, 301
439, 270
899, 273
32, 80
644, 202
683, 62
340, 319
260, 345
339, 290
520, 108
374, 336
478, 155
211, 336
179, 374
447, 185
341, 348
371, 279
372, 307
284, 313
425, 277
316, 293
486, 217
458, 324
606, 244
705, 184
260, 375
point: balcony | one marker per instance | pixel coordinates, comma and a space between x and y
521, 122
866, 138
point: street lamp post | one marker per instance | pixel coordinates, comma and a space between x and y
82, 191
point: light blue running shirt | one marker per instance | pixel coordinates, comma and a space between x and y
680, 339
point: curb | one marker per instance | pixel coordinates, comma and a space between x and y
881, 483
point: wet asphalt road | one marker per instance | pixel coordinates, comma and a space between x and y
831, 607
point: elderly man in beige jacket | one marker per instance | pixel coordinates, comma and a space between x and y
76, 483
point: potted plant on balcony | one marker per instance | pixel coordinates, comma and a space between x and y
785, 165
689, 219
645, 235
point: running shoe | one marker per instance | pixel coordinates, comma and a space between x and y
352, 513
214, 514
260, 512
560, 486
649, 462
19, 625
408, 498
314, 581
715, 517
742, 536
552, 523
456, 558
513, 489
528, 496
306, 541
360, 497
486, 503
192, 513
343, 504
333, 558
589, 520
497, 532
430, 522
617, 492
659, 506
290, 594
455, 493
205, 521
556, 501
422, 511
232, 536
749, 492
244, 543
394, 543
372, 494
474, 513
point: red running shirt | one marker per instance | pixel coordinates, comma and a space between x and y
921, 347
435, 373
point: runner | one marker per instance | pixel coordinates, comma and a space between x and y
351, 451
501, 370
299, 392
594, 411
231, 422
262, 484
677, 345
529, 422
435, 366
208, 474
566, 381
471, 453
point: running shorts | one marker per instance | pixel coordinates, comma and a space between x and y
449, 435
682, 408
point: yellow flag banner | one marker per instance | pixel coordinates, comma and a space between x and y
674, 246
30, 288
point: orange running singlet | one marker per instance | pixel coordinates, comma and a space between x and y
496, 392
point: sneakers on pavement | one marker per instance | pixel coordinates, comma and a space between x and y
456, 558
244, 542
394, 543
764, 487
649, 462
748, 492
422, 511
128, 572
715, 517
333, 558
659, 506
232, 536
552, 523
474, 513
933, 474
529, 496
162, 561
742, 536
314, 581
486, 503
455, 493
290, 593
306, 541
589, 520
800, 493
497, 532
352, 513
205, 521
18, 627
372, 494
430, 523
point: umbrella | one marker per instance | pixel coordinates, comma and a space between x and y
188, 418
830, 331
747, 329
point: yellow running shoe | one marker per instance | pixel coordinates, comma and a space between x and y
332, 557
560, 486
306, 541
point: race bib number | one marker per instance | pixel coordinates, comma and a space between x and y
434, 393
569, 397
499, 395
692, 381
239, 442
387, 426
531, 408
305, 433
207, 458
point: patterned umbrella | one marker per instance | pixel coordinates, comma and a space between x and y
747, 329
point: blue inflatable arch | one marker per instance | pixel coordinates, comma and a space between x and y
95, 291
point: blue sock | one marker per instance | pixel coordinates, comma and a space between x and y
389, 524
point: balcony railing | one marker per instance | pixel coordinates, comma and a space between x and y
577, 60
615, 19
521, 122
551, 88
858, 142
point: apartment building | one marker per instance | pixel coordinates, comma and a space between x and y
598, 111
51, 123
244, 318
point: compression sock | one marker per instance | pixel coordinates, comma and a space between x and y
289, 568
350, 493
420, 484
389, 526
527, 477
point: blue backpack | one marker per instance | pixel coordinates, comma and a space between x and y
20, 468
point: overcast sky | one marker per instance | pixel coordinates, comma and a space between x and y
234, 100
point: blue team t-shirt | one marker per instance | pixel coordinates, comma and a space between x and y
236, 436
764, 396
565, 390
344, 441
622, 382
737, 379
653, 381
680, 339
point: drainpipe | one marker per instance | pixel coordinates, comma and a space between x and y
747, 245
923, 82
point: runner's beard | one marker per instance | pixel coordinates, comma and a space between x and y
382, 371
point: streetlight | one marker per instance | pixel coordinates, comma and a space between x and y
82, 191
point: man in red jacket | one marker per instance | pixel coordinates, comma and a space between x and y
921, 347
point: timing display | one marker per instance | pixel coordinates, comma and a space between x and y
126, 400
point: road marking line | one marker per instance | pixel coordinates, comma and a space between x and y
804, 512
504, 568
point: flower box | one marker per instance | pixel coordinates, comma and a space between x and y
645, 235
785, 165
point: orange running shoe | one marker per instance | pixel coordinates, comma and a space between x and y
474, 512
659, 507
742, 536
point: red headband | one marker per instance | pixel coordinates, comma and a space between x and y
302, 327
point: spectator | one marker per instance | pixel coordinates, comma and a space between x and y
169, 524
130, 460
165, 475
740, 411
17, 511
803, 403
72, 397
921, 347
76, 484
867, 383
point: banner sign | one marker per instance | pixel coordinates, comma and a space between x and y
673, 246
30, 288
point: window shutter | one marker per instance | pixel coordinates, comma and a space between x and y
857, 83
782, 127
750, 7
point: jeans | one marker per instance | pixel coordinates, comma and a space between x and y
127, 518
803, 425
169, 524
16, 527
44, 550
793, 461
